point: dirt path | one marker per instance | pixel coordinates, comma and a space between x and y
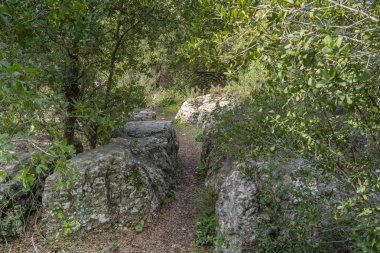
172, 232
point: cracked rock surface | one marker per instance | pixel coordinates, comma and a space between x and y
239, 209
143, 115
16, 203
123, 183
196, 111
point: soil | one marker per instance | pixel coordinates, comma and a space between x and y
172, 232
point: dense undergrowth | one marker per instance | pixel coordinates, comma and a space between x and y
304, 76
319, 102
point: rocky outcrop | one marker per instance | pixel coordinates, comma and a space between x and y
123, 183
197, 110
159, 129
16, 201
240, 185
143, 115
236, 211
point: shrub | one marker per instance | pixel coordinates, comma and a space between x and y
206, 225
206, 230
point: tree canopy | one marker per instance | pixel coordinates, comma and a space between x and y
65, 68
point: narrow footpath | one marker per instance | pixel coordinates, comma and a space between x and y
174, 229
172, 232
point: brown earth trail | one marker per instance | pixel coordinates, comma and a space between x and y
172, 232
174, 229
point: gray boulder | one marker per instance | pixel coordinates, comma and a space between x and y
143, 115
17, 202
123, 183
236, 211
196, 111
239, 184
159, 129
14, 202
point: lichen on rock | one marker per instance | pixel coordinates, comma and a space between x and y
196, 111
123, 183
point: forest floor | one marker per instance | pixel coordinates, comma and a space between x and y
172, 232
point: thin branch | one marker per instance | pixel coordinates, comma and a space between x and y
34, 246
375, 19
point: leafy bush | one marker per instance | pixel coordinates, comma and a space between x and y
313, 223
201, 171
246, 81
206, 225
206, 230
199, 137
320, 100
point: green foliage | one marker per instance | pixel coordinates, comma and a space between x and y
192, 131
206, 224
320, 98
199, 137
206, 231
5, 152
170, 197
168, 110
139, 228
68, 227
201, 171
171, 97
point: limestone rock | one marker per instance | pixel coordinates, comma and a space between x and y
238, 208
239, 183
159, 129
123, 183
16, 203
198, 110
143, 115
236, 212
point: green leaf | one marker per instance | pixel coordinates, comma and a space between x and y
320, 85
4, 63
326, 50
3, 176
349, 100
139, 228
310, 81
327, 40
339, 41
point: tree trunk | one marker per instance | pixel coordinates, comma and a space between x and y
72, 93
93, 136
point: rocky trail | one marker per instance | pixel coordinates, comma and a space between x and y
173, 231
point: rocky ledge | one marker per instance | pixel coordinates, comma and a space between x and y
123, 183
196, 111
240, 184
